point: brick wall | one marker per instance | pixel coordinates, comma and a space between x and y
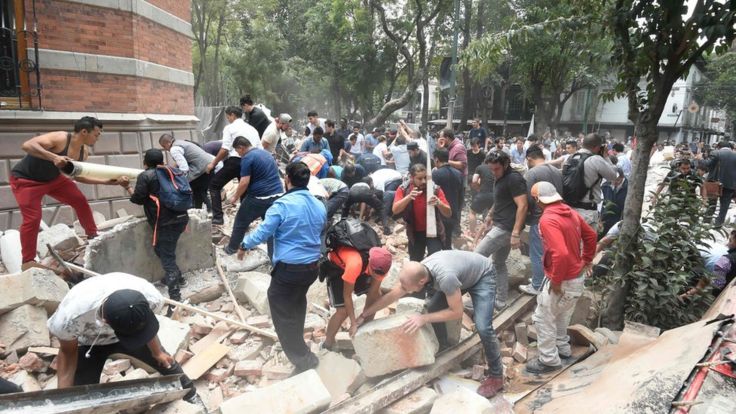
76, 27
118, 145
97, 92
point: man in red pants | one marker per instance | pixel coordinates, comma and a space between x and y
38, 174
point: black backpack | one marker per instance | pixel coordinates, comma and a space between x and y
348, 232
573, 179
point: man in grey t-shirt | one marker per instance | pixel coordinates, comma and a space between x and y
538, 171
452, 273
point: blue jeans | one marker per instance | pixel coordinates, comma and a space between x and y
250, 209
535, 256
483, 294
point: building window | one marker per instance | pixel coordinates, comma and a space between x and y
15, 67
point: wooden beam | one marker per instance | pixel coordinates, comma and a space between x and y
409, 380
202, 362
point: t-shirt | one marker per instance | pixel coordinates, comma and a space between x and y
479, 133
78, 315
351, 262
683, 182
337, 142
544, 172
451, 182
333, 185
474, 160
401, 158
456, 269
458, 153
487, 179
260, 166
511, 185
378, 151
383, 176
419, 205
309, 145
239, 128
272, 135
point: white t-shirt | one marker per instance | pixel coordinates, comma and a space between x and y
358, 148
316, 188
378, 151
383, 176
78, 315
177, 153
271, 135
239, 128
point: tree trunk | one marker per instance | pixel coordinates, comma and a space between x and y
468, 109
398, 103
425, 102
338, 96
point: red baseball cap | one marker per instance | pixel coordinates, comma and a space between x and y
380, 260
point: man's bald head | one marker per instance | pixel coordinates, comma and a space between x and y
413, 277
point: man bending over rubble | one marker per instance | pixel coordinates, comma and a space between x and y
105, 315
452, 273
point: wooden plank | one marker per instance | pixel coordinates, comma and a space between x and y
229, 291
409, 380
217, 334
47, 350
262, 332
202, 362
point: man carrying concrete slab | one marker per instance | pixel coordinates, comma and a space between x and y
451, 273
38, 174
105, 315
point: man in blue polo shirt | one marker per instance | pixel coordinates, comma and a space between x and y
316, 143
261, 185
295, 222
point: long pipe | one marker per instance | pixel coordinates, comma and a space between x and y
100, 171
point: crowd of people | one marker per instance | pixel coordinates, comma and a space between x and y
317, 190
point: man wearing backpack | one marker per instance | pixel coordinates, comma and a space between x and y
167, 223
349, 270
192, 160
582, 175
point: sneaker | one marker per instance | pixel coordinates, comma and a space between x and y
500, 305
490, 386
529, 290
182, 282
565, 355
217, 222
536, 366
228, 251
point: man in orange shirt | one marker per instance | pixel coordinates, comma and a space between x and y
357, 276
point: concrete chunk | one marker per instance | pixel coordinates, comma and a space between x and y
174, 335
520, 352
383, 347
25, 381
252, 288
521, 333
24, 327
206, 294
248, 367
418, 402
35, 286
410, 305
339, 374
177, 407
461, 401
300, 394
59, 236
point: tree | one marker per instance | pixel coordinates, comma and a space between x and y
551, 58
718, 89
655, 43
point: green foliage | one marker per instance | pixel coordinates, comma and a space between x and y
663, 262
718, 89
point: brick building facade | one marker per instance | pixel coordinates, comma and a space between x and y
127, 62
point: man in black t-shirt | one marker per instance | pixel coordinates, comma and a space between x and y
451, 182
506, 220
416, 155
482, 186
682, 181
336, 141
476, 156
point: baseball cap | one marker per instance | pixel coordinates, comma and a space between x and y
286, 118
380, 260
545, 192
412, 146
128, 313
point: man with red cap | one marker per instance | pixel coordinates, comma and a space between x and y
351, 274
105, 315
563, 232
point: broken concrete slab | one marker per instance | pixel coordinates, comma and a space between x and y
611, 336
252, 288
177, 407
418, 402
254, 260
301, 394
339, 374
174, 335
59, 236
383, 347
10, 250
34, 286
26, 381
461, 401
24, 327
410, 305
128, 246
249, 367
115, 367
521, 333
582, 309
520, 353
581, 335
